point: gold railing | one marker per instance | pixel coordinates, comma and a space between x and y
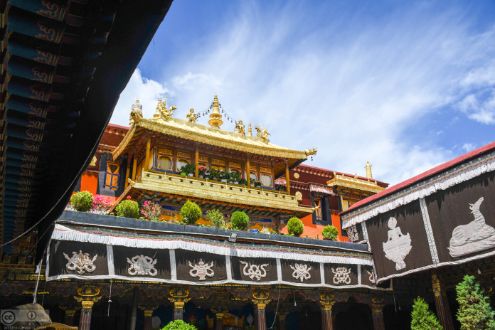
217, 191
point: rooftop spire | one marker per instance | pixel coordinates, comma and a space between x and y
215, 115
367, 167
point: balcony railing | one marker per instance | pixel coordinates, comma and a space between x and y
191, 187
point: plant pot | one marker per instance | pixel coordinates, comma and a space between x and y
190, 174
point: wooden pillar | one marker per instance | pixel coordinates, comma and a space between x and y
260, 298
134, 167
132, 322
248, 172
287, 176
148, 314
178, 296
327, 301
87, 296
441, 303
219, 321
196, 162
147, 159
127, 171
282, 316
377, 313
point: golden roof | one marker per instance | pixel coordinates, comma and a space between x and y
163, 123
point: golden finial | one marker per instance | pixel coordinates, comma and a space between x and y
215, 115
250, 130
191, 116
136, 113
369, 173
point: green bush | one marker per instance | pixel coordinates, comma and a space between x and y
82, 201
239, 220
422, 318
216, 218
474, 310
295, 226
190, 212
128, 208
179, 325
330, 232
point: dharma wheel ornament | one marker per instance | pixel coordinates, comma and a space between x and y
216, 120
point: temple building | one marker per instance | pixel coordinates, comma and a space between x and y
169, 161
147, 273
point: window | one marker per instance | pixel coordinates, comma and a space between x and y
164, 163
266, 180
317, 205
180, 163
112, 176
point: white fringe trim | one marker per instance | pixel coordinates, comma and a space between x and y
64, 233
438, 183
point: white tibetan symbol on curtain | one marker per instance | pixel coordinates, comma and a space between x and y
397, 246
474, 236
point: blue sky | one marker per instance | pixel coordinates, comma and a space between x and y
405, 85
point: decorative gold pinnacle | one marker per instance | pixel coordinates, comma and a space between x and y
369, 173
216, 120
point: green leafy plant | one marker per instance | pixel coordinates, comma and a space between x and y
187, 169
179, 325
82, 201
190, 212
216, 218
128, 208
239, 220
422, 318
474, 310
330, 232
295, 226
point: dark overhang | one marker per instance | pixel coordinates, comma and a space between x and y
64, 65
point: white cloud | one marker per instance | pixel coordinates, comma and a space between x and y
146, 90
350, 90
468, 147
479, 106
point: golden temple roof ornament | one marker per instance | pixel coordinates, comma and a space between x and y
311, 152
136, 113
215, 115
240, 128
368, 168
191, 116
162, 111
263, 134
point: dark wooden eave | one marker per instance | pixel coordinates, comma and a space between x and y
64, 65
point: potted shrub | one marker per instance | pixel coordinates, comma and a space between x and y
202, 172
422, 318
474, 310
239, 220
190, 212
82, 201
151, 211
127, 208
216, 218
295, 226
179, 325
330, 233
